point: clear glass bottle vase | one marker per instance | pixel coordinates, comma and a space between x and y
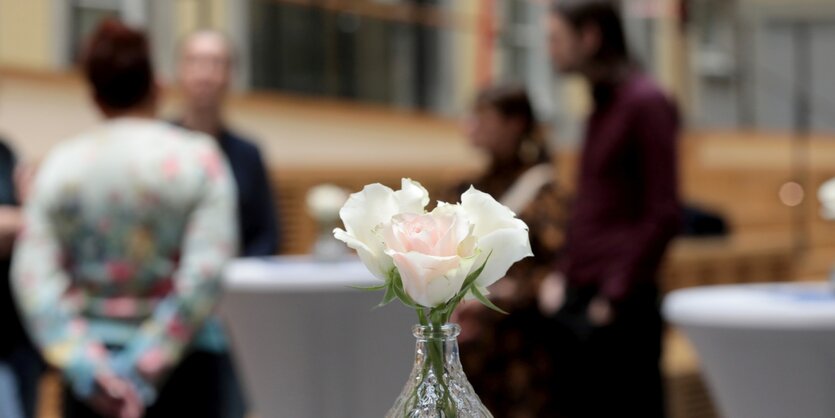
437, 386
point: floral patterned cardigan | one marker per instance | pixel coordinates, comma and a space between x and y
126, 232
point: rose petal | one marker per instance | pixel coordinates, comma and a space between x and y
504, 247
444, 208
367, 209
457, 231
424, 277
487, 214
412, 197
377, 262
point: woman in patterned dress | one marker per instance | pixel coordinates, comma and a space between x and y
126, 231
508, 357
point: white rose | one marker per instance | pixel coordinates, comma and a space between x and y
366, 211
435, 252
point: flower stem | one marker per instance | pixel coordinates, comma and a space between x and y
436, 359
427, 365
422, 317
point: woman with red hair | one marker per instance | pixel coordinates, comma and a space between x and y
125, 234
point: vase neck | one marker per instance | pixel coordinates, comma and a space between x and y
443, 333
443, 340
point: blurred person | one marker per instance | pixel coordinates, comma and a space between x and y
508, 357
20, 364
206, 62
205, 69
126, 230
625, 214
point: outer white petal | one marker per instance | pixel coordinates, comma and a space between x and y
444, 208
366, 209
504, 247
362, 214
412, 197
487, 214
374, 258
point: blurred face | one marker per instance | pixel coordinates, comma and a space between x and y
205, 67
493, 133
569, 48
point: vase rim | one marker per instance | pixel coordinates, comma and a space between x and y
447, 331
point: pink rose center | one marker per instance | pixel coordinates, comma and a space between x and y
426, 234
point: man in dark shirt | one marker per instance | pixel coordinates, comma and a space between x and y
206, 61
625, 214
205, 69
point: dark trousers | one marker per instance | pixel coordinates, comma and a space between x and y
197, 388
611, 371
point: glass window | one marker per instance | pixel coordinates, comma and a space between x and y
85, 15
388, 53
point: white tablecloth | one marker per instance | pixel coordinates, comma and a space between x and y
767, 350
309, 345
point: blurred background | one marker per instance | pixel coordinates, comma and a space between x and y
356, 91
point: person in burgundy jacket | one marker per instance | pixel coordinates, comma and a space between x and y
625, 214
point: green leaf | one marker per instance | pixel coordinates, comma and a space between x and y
486, 302
370, 288
389, 296
468, 284
473, 276
397, 286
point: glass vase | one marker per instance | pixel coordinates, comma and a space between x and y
437, 386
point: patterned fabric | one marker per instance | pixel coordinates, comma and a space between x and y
125, 235
510, 361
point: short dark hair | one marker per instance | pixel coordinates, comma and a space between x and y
511, 101
603, 14
117, 64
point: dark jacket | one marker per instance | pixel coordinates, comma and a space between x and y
257, 215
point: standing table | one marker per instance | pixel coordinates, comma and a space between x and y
767, 350
310, 346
